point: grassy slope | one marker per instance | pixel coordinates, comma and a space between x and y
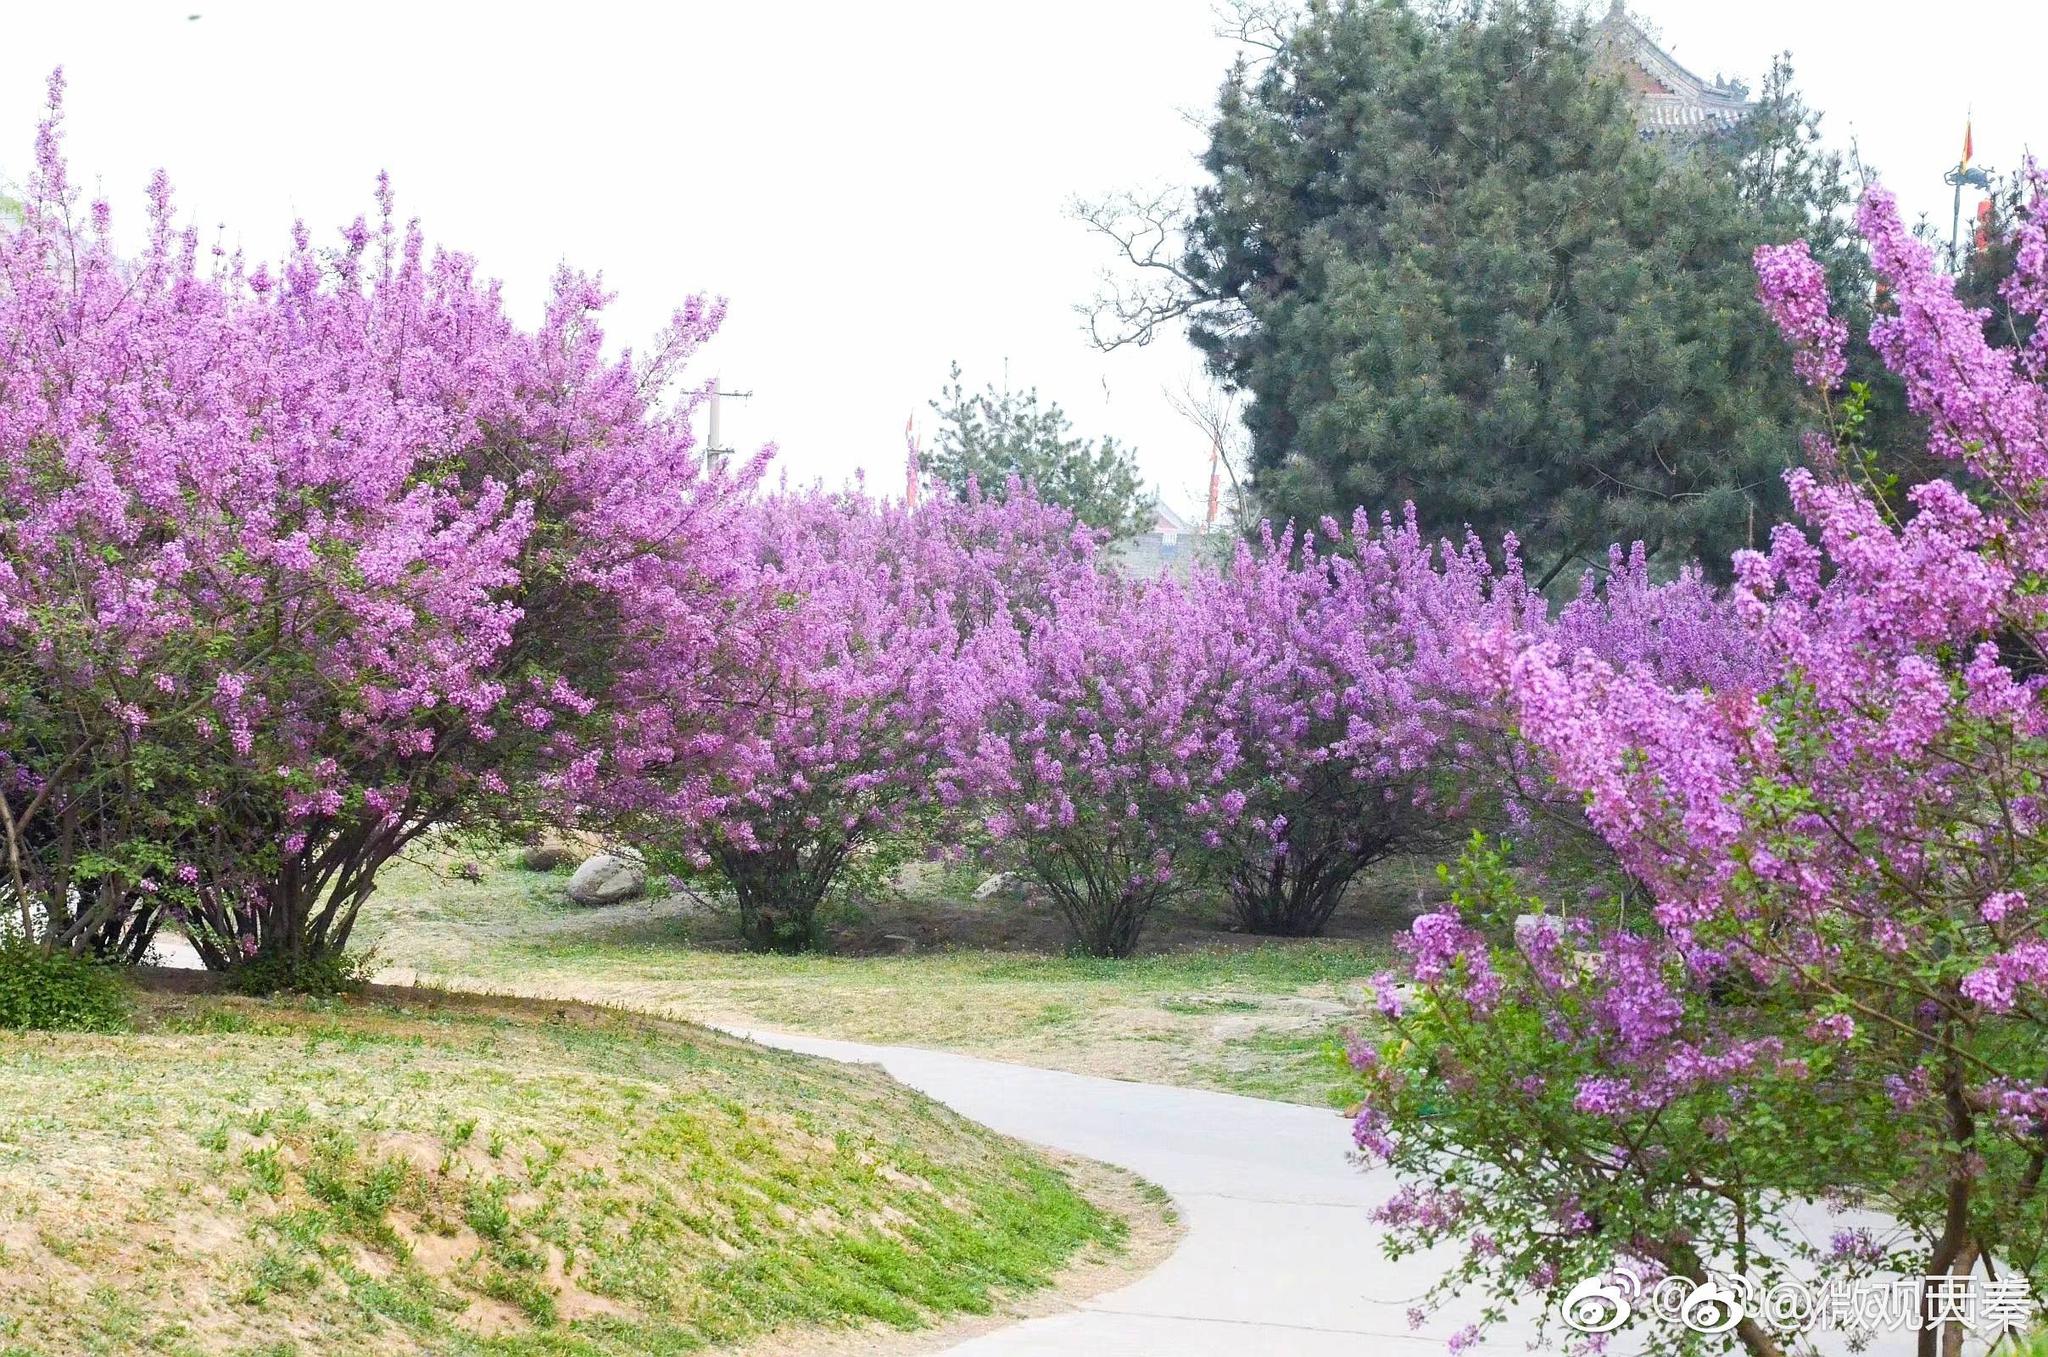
1212, 1011
245, 1178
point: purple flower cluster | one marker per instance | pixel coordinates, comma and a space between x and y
1794, 291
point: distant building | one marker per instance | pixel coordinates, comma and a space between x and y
1171, 547
1671, 102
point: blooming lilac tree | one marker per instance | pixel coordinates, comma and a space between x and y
867, 669
1365, 731
1839, 984
301, 561
1348, 716
1101, 744
1684, 631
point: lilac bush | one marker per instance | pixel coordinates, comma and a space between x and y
1349, 712
1100, 743
1837, 990
1366, 731
1686, 632
300, 560
866, 669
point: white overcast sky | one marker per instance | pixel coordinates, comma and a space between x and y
876, 188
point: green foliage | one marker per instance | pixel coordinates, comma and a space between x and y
992, 436
1439, 254
322, 973
1561, 1188
787, 901
55, 991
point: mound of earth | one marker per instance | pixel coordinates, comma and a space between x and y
439, 1176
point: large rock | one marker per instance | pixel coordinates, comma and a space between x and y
1002, 883
547, 857
607, 879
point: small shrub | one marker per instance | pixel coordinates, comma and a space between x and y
532, 1298
279, 1274
43, 991
266, 1169
485, 1210
321, 974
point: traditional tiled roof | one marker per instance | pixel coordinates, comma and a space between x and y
1165, 520
1670, 100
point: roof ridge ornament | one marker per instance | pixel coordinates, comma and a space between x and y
1670, 100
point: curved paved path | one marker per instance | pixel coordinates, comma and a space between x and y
1280, 1255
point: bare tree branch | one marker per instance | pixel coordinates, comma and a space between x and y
1264, 24
1153, 289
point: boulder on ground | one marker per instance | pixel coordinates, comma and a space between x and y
1002, 883
607, 879
547, 857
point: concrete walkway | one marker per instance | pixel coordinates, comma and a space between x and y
1280, 1256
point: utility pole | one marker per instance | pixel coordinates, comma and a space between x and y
715, 451
711, 432
1215, 479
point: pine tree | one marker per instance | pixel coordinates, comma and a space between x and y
1439, 254
991, 436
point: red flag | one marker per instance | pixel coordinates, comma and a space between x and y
1215, 481
1966, 143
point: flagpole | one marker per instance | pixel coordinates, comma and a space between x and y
1955, 224
1959, 176
1955, 220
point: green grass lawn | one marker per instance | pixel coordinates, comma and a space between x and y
1205, 1008
523, 1180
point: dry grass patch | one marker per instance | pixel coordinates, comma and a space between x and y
1202, 1007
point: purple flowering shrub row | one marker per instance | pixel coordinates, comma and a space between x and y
1831, 990
968, 671
302, 561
